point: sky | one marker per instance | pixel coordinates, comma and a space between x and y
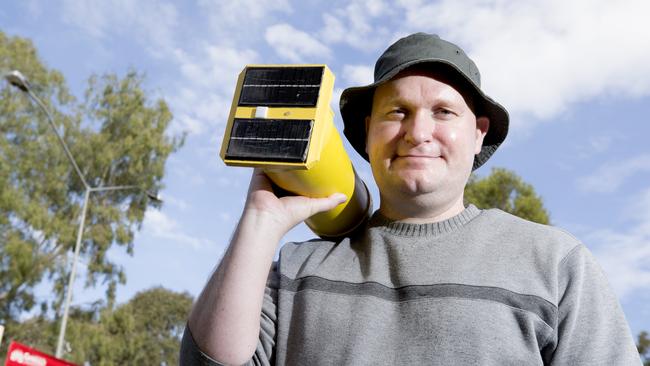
574, 76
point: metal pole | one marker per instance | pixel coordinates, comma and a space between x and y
66, 307
115, 188
56, 132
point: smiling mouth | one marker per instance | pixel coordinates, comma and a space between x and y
415, 161
416, 157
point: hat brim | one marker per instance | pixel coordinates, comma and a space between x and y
356, 104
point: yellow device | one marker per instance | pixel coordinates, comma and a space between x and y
281, 121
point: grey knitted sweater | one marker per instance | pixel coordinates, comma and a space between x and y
481, 288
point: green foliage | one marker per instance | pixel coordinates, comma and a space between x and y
503, 189
117, 136
28, 161
144, 331
643, 345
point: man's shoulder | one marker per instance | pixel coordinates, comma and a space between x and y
294, 255
505, 221
496, 223
307, 247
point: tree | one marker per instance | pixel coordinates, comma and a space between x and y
503, 189
118, 137
643, 345
144, 331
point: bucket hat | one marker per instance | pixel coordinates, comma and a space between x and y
423, 49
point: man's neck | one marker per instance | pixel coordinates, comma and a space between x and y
417, 213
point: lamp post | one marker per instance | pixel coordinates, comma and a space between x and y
17, 79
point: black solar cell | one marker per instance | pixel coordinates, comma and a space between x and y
281, 86
280, 140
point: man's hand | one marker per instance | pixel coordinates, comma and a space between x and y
283, 213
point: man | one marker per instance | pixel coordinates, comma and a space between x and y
427, 280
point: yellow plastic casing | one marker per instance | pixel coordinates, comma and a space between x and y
327, 168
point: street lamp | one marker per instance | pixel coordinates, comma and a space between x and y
17, 79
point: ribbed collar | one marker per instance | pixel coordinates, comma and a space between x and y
429, 229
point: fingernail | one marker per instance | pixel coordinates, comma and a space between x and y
341, 197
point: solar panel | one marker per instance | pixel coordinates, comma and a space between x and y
281, 86
257, 139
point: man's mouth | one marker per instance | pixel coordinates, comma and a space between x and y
416, 160
417, 156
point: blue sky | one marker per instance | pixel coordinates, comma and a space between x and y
575, 77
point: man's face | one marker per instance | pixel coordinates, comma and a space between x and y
421, 138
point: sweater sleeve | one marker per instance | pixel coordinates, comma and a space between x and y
191, 355
591, 329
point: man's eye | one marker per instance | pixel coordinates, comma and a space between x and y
444, 113
396, 112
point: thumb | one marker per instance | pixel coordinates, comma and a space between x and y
327, 203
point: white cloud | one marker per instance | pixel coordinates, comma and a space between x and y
152, 22
235, 12
237, 20
624, 258
295, 45
358, 75
214, 66
352, 25
625, 255
611, 175
537, 57
353, 75
161, 226
209, 78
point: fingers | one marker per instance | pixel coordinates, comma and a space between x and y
328, 203
284, 211
304, 207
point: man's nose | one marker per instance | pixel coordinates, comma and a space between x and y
419, 128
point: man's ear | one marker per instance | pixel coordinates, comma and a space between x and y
367, 121
482, 126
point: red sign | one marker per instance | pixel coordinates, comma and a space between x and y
21, 355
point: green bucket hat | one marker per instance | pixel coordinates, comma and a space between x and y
423, 49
